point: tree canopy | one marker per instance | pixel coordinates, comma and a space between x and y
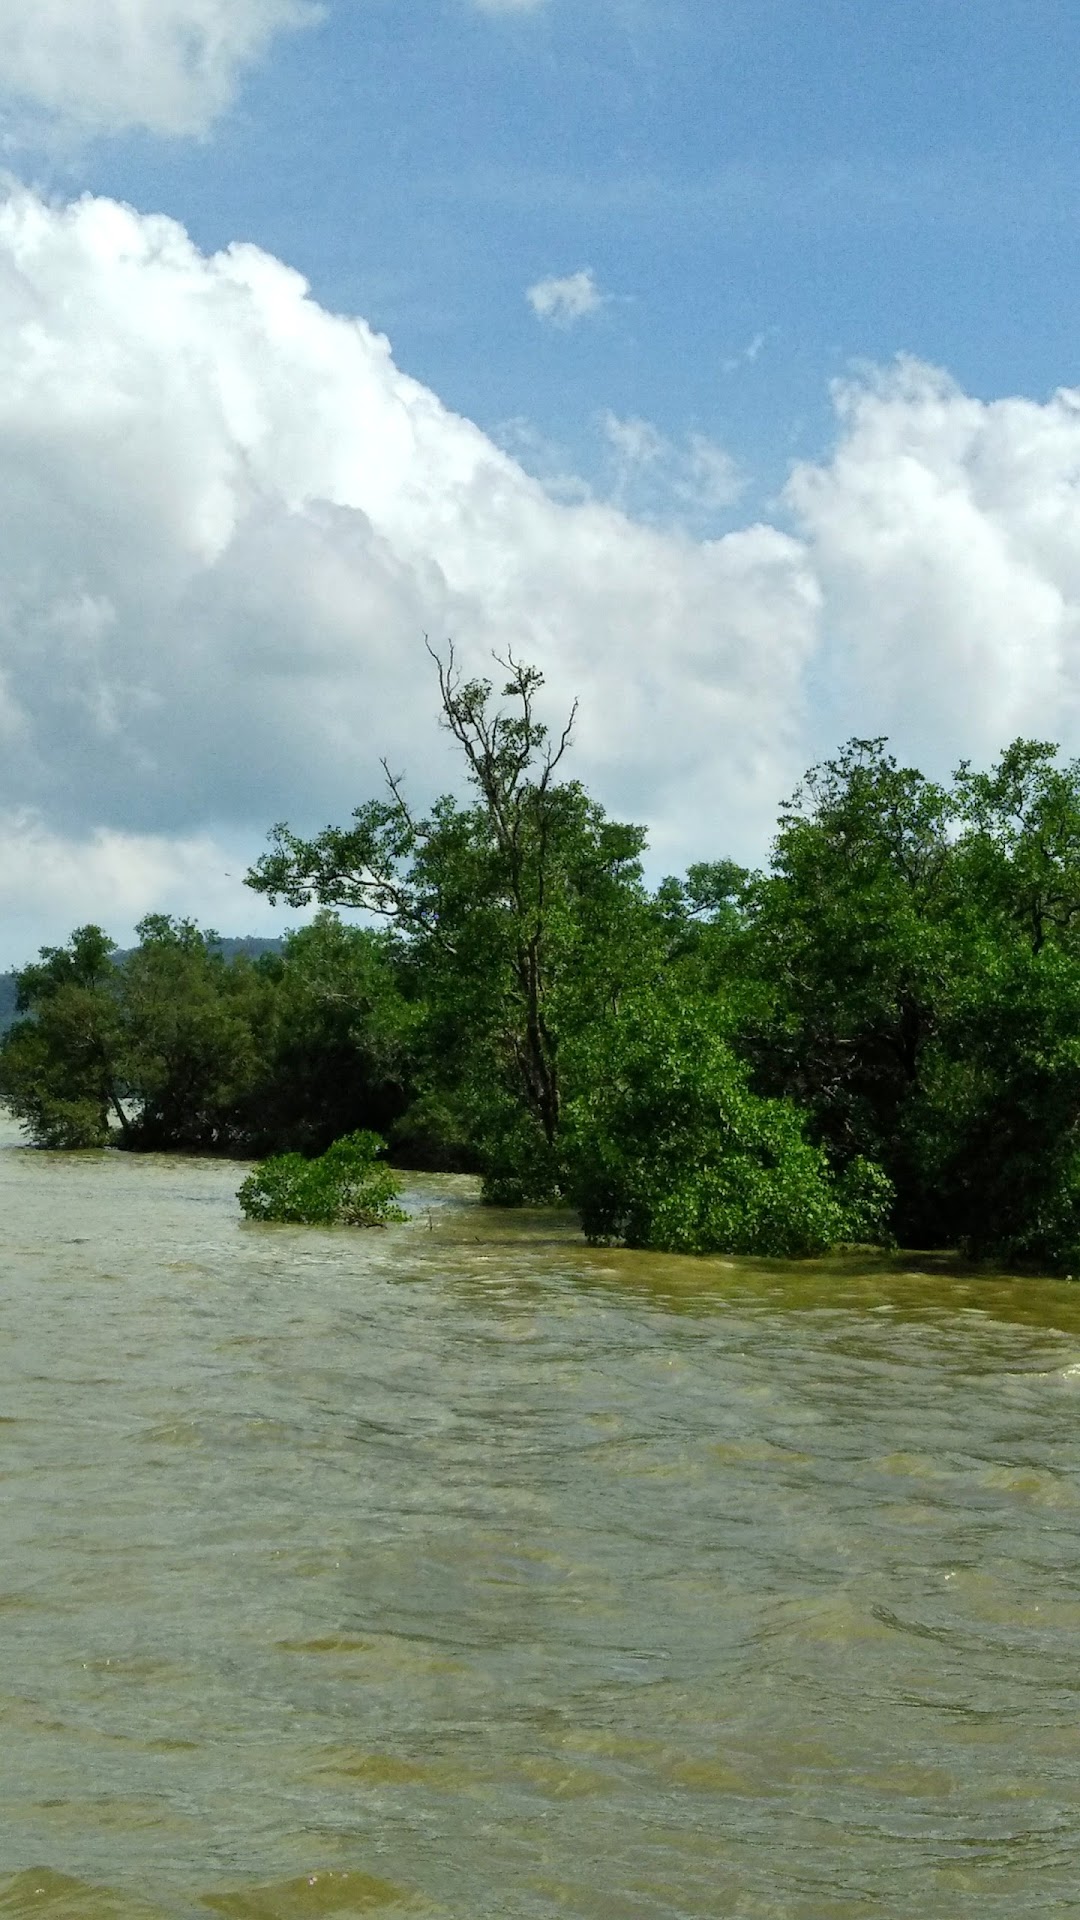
876, 1036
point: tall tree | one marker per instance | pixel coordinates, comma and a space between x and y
1020, 844
337, 1053
195, 1030
517, 912
855, 930
1002, 1109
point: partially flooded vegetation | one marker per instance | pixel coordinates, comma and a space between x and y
871, 1041
507, 1561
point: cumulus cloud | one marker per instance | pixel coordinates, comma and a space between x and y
564, 302
945, 537
230, 518
105, 66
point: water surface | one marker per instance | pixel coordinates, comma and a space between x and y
462, 1570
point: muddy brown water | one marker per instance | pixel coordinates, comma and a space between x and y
463, 1570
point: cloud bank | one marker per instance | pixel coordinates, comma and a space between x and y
230, 519
944, 535
107, 66
51, 882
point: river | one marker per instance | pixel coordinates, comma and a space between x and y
463, 1570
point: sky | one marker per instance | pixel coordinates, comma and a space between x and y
717, 356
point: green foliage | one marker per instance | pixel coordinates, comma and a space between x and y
336, 1047
670, 1149
191, 1025
517, 918
879, 1035
1019, 853
999, 1113
345, 1186
854, 933
8, 1001
1008, 1115
172, 1047
61, 1067
918, 952
521, 1167
59, 1103
436, 1133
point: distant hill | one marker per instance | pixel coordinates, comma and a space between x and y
248, 943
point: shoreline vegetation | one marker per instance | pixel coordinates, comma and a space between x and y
874, 1040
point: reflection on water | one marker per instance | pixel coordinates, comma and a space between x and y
462, 1570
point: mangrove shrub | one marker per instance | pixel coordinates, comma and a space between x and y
344, 1187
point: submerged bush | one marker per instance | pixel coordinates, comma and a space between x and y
346, 1186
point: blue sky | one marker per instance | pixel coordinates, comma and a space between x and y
766, 192
729, 378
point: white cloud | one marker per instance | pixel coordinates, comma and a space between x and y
945, 534
544, 458
229, 518
748, 354
635, 443
103, 66
51, 882
564, 302
659, 480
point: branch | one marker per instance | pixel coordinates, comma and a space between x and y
393, 781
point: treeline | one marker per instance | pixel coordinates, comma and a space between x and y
877, 1037
250, 944
186, 1043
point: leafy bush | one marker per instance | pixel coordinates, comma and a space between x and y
344, 1187
671, 1150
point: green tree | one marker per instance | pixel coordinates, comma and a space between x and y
921, 950
517, 914
195, 1031
999, 1121
61, 1067
1001, 1110
670, 1149
339, 1047
858, 933
1020, 845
